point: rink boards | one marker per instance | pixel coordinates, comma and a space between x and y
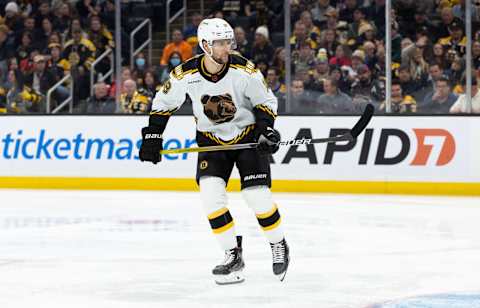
417, 155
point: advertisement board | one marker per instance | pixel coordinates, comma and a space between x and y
421, 151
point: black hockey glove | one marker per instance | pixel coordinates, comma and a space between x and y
268, 139
152, 144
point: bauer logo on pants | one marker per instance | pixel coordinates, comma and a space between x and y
255, 177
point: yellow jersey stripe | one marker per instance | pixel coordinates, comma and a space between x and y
183, 74
242, 135
266, 109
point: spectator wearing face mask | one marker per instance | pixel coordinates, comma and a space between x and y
140, 64
175, 59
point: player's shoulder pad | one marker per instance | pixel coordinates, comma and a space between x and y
237, 61
187, 67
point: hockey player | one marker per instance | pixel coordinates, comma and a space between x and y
231, 104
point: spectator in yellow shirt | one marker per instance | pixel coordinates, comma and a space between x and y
133, 101
400, 103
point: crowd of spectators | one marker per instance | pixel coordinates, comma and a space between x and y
41, 41
337, 54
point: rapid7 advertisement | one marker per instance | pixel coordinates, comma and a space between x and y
443, 149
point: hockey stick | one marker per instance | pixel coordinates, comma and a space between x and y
349, 136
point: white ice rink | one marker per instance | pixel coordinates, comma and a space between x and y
72, 249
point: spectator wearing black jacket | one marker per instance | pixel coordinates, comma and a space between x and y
41, 79
244, 47
13, 18
28, 25
87, 9
262, 50
44, 11
346, 14
41, 39
26, 47
64, 17
409, 86
108, 14
6, 49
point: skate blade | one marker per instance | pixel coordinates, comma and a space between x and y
232, 278
282, 276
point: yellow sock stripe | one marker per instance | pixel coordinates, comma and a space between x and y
224, 228
267, 214
218, 213
272, 226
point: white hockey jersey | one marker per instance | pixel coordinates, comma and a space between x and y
223, 103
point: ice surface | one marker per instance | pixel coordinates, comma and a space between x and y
102, 249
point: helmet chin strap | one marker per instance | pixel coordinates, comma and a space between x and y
210, 55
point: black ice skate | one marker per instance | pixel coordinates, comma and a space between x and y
281, 258
230, 271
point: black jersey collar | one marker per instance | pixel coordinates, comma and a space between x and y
212, 77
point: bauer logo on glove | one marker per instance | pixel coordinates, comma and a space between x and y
153, 136
219, 108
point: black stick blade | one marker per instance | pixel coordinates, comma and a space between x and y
363, 122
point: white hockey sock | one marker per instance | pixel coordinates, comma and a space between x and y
214, 200
259, 198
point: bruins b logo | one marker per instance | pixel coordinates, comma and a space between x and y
219, 108
166, 87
